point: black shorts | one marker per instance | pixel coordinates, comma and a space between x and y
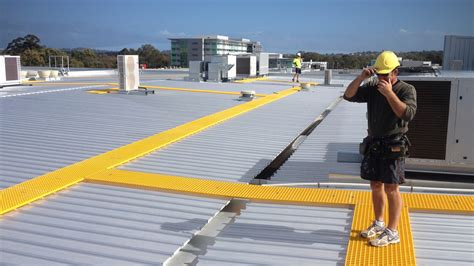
298, 70
387, 171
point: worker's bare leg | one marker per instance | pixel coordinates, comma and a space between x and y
378, 199
395, 203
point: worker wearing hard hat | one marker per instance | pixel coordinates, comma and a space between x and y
391, 104
297, 65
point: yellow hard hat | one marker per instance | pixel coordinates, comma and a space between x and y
386, 62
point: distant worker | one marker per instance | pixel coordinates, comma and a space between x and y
391, 104
297, 65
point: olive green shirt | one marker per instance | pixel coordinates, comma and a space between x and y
381, 118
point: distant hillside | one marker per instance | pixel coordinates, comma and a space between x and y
362, 59
34, 54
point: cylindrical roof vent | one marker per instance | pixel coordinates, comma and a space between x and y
247, 94
305, 86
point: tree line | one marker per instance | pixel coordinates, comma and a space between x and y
34, 54
362, 59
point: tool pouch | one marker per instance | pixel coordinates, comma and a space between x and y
395, 148
364, 145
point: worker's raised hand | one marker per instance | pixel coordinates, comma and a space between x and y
384, 87
367, 73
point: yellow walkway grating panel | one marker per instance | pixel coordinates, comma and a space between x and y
439, 203
359, 251
250, 80
51, 182
37, 188
212, 188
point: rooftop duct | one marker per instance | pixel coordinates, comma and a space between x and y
247, 94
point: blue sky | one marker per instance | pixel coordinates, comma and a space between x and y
325, 26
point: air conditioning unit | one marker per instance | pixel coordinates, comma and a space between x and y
247, 65
10, 70
442, 131
128, 70
221, 68
196, 70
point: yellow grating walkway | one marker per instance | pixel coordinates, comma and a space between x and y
99, 169
36, 188
250, 80
358, 253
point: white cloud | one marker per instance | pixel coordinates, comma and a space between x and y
404, 31
166, 33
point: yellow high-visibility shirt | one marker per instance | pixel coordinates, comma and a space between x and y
297, 62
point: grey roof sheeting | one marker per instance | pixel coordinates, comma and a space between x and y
240, 148
16, 91
225, 86
43, 132
443, 239
270, 234
97, 224
316, 157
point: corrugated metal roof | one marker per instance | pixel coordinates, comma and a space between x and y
443, 239
97, 224
225, 86
238, 149
267, 234
15, 91
341, 131
42, 132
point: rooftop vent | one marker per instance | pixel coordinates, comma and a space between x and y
247, 94
305, 86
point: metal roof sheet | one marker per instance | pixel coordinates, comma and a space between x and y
15, 91
224, 86
97, 224
270, 234
44, 132
238, 149
316, 157
443, 239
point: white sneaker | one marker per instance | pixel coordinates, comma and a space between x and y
386, 238
373, 230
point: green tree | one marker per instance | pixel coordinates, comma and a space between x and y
21, 44
88, 57
149, 55
33, 57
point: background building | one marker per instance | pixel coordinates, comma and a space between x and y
458, 53
184, 50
